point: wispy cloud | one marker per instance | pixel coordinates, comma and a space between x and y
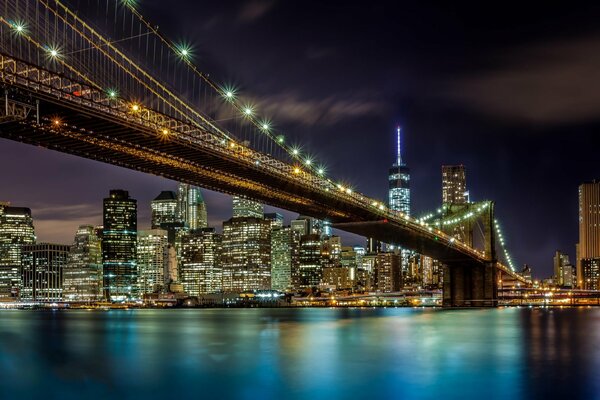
59, 223
254, 10
550, 83
325, 111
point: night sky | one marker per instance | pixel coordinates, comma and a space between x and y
512, 91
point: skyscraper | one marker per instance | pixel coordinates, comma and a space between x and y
246, 254
399, 183
387, 272
310, 267
82, 275
119, 247
164, 210
284, 256
561, 261
200, 269
454, 184
243, 207
42, 267
191, 207
152, 256
588, 257
16, 230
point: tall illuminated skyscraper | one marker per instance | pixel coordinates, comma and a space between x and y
246, 254
16, 230
588, 250
82, 276
399, 182
42, 267
191, 207
284, 256
454, 184
152, 256
200, 269
119, 246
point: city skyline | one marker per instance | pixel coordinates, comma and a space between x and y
427, 103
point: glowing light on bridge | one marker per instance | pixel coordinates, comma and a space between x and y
248, 111
135, 107
164, 131
53, 52
112, 93
308, 161
19, 27
280, 139
296, 170
321, 171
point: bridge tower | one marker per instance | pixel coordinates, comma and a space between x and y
474, 284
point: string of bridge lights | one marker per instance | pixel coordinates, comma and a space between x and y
227, 92
498, 232
230, 95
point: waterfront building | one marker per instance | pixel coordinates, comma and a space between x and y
42, 267
310, 264
152, 257
119, 247
561, 260
191, 207
16, 230
246, 254
338, 278
588, 249
285, 243
200, 270
387, 276
246, 208
82, 275
454, 184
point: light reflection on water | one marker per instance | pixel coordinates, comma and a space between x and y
301, 353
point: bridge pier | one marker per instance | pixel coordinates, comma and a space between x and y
470, 286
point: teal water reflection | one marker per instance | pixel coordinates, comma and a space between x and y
300, 353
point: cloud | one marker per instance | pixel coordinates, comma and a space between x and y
551, 83
324, 111
254, 10
59, 223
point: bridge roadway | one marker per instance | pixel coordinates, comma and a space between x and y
51, 110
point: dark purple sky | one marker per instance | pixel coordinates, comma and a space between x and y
510, 90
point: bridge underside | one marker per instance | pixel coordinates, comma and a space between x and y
467, 282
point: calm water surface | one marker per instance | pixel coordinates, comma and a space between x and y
301, 354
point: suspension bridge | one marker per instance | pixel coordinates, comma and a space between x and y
97, 80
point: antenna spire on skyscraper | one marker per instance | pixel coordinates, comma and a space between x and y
399, 154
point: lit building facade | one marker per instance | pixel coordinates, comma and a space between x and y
454, 184
246, 208
310, 266
16, 230
42, 267
588, 249
399, 183
561, 261
200, 270
285, 243
82, 275
191, 207
119, 247
246, 254
152, 257
387, 276
164, 210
